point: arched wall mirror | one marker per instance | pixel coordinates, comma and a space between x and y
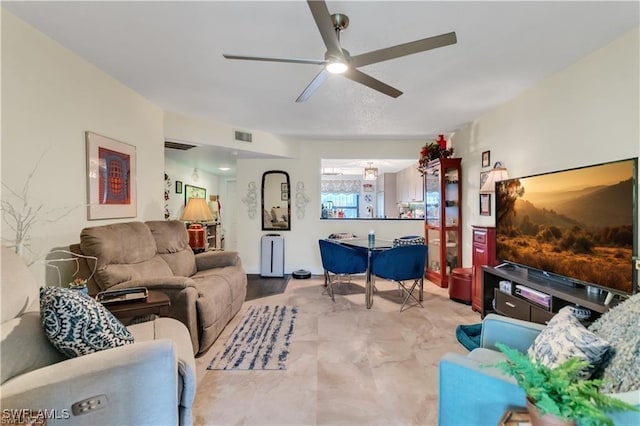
276, 201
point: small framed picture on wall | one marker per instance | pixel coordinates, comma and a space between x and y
178, 187
483, 178
485, 204
486, 158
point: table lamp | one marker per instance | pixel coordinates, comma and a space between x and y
195, 212
498, 173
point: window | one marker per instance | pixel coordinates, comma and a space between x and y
343, 205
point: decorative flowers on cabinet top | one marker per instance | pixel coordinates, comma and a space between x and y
434, 150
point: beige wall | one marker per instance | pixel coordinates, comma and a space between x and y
587, 114
50, 97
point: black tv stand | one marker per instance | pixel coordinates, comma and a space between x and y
514, 305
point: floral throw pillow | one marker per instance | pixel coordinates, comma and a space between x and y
78, 325
565, 337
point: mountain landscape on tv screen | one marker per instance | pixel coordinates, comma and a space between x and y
585, 234
591, 207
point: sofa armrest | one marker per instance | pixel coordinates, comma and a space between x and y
627, 418
512, 332
470, 394
163, 283
139, 382
216, 259
183, 295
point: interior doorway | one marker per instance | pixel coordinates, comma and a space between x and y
230, 216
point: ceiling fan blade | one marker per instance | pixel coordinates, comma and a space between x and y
367, 80
267, 59
315, 83
323, 21
404, 49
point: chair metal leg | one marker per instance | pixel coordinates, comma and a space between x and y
330, 289
410, 293
328, 285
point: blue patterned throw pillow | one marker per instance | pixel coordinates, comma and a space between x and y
565, 337
78, 325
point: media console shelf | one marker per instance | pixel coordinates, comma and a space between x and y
511, 304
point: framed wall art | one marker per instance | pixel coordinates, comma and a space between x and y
191, 191
111, 178
483, 178
485, 204
486, 158
178, 187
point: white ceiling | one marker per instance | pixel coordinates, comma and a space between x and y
171, 53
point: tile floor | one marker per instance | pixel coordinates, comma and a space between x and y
347, 365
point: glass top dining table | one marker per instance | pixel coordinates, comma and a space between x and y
378, 245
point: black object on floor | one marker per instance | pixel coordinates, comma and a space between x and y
469, 335
258, 286
301, 274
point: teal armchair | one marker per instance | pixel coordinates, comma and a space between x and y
472, 394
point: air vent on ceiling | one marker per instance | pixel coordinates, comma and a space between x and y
242, 136
178, 145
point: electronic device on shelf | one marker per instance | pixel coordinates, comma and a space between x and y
534, 296
505, 286
123, 295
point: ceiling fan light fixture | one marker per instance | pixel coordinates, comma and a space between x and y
336, 67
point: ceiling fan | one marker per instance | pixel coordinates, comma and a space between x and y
337, 60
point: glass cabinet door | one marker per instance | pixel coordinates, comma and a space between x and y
451, 201
442, 219
432, 196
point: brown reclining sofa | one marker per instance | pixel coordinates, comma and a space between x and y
206, 289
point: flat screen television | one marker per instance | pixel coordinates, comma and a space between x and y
578, 226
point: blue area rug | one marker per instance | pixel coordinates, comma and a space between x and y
469, 335
260, 341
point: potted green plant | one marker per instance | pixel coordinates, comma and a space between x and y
559, 394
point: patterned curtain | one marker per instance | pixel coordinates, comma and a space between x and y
341, 186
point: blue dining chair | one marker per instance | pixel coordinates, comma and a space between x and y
340, 260
402, 263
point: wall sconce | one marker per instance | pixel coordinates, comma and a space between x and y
195, 176
196, 211
251, 200
370, 173
496, 174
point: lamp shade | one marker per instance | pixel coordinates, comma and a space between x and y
196, 210
496, 174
